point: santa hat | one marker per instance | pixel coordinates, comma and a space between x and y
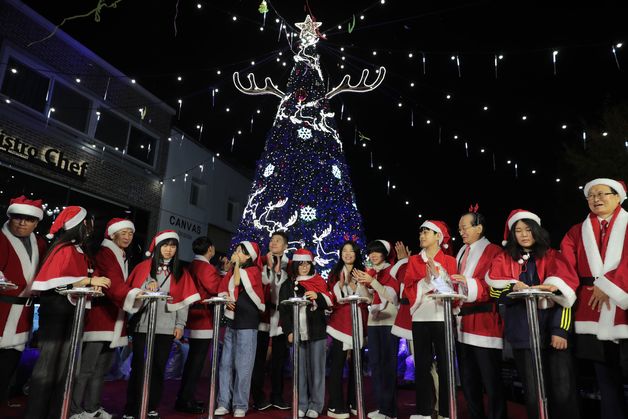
439, 227
159, 237
618, 185
69, 218
303, 255
516, 215
253, 249
390, 255
116, 224
23, 206
386, 245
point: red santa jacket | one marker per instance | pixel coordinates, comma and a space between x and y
183, 291
65, 265
552, 269
106, 321
389, 283
403, 321
207, 280
580, 248
476, 326
340, 325
16, 319
417, 289
250, 282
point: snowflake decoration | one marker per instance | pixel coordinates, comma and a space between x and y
336, 171
325, 273
308, 213
269, 170
304, 133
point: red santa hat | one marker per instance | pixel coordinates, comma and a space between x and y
116, 224
439, 227
69, 218
618, 185
516, 215
253, 249
390, 255
23, 206
159, 237
303, 255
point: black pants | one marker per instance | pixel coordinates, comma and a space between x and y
161, 351
560, 382
9, 361
481, 367
383, 347
278, 357
429, 340
199, 348
336, 368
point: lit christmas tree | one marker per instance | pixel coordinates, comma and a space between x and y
302, 183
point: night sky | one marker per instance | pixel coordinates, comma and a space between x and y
429, 167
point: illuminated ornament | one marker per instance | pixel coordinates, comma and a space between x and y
304, 133
308, 213
269, 170
336, 171
263, 9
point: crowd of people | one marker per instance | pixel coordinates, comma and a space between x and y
585, 318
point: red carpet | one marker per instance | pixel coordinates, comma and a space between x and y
115, 394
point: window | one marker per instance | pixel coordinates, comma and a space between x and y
195, 191
25, 85
70, 107
230, 210
111, 130
141, 145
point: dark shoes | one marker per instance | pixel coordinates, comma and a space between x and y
281, 405
192, 406
263, 405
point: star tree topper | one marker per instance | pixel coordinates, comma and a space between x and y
309, 30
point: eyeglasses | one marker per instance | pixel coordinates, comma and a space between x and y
464, 229
599, 196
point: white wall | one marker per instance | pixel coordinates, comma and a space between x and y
218, 183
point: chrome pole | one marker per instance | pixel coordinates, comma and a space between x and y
296, 303
218, 302
354, 300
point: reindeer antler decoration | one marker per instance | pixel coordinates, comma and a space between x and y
269, 87
361, 87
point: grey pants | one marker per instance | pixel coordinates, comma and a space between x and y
96, 361
312, 375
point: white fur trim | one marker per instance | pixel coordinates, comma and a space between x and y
119, 254
395, 269
250, 249
189, 300
201, 334
472, 288
120, 225
401, 332
480, 341
613, 291
498, 283
165, 236
611, 183
29, 264
131, 304
523, 215
11, 339
25, 209
55, 282
433, 227
386, 245
302, 258
117, 339
263, 327
569, 295
76, 220
248, 287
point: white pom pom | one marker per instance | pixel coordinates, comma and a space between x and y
445, 246
147, 253
50, 236
504, 242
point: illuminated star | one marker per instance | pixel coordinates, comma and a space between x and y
308, 27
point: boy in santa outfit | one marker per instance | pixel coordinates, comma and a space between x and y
66, 265
274, 274
480, 326
199, 325
105, 323
20, 251
306, 283
161, 272
426, 274
598, 249
528, 261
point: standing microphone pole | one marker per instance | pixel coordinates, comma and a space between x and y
218, 302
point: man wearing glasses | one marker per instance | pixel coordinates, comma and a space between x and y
20, 252
598, 249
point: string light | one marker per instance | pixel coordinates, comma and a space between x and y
554, 54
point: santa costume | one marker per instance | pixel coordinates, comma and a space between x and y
428, 330
245, 289
312, 330
533, 267
105, 323
19, 259
480, 330
65, 265
598, 249
172, 314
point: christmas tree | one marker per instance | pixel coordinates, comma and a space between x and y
302, 184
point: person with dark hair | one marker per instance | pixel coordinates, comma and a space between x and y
340, 328
161, 272
66, 265
305, 282
529, 261
383, 346
105, 323
598, 249
480, 327
243, 286
429, 272
199, 324
20, 250
274, 274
